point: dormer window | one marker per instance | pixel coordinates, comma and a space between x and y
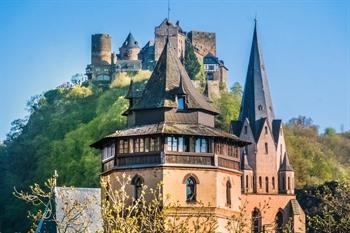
180, 102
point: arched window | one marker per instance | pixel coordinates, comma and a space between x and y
246, 182
191, 189
260, 182
266, 184
288, 183
273, 182
228, 193
266, 148
137, 182
279, 222
256, 221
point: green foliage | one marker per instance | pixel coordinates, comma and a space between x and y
228, 106
327, 207
317, 158
191, 63
57, 136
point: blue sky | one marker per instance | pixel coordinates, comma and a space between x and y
306, 47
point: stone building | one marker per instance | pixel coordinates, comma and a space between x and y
203, 43
176, 36
171, 138
105, 64
267, 173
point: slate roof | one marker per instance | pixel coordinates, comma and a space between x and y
89, 198
286, 166
296, 209
130, 42
245, 164
256, 102
173, 129
168, 80
134, 91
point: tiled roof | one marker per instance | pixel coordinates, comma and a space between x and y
172, 128
168, 80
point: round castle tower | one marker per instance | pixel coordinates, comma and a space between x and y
101, 49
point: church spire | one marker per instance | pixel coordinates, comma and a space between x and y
256, 102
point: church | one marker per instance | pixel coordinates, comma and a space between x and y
171, 139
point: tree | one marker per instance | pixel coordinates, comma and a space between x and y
228, 106
72, 215
327, 207
191, 63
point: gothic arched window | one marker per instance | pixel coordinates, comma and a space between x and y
256, 221
191, 189
266, 184
137, 182
279, 222
228, 193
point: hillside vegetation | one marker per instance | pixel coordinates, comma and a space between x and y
62, 123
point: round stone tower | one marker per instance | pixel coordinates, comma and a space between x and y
101, 49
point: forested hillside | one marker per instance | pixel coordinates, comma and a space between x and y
62, 123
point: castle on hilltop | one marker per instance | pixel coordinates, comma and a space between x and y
171, 139
105, 63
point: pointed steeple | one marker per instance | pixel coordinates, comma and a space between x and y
286, 166
130, 42
256, 102
168, 80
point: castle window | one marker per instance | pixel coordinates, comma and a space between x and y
191, 189
181, 144
260, 107
201, 145
142, 145
131, 145
273, 182
267, 184
245, 129
108, 152
154, 144
176, 144
123, 146
260, 182
283, 183
246, 182
137, 182
180, 103
147, 146
266, 148
228, 193
288, 183
137, 145
256, 221
266, 130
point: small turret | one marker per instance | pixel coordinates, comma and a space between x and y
130, 49
247, 177
286, 176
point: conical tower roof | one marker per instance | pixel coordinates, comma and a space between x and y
168, 80
130, 42
256, 102
286, 166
